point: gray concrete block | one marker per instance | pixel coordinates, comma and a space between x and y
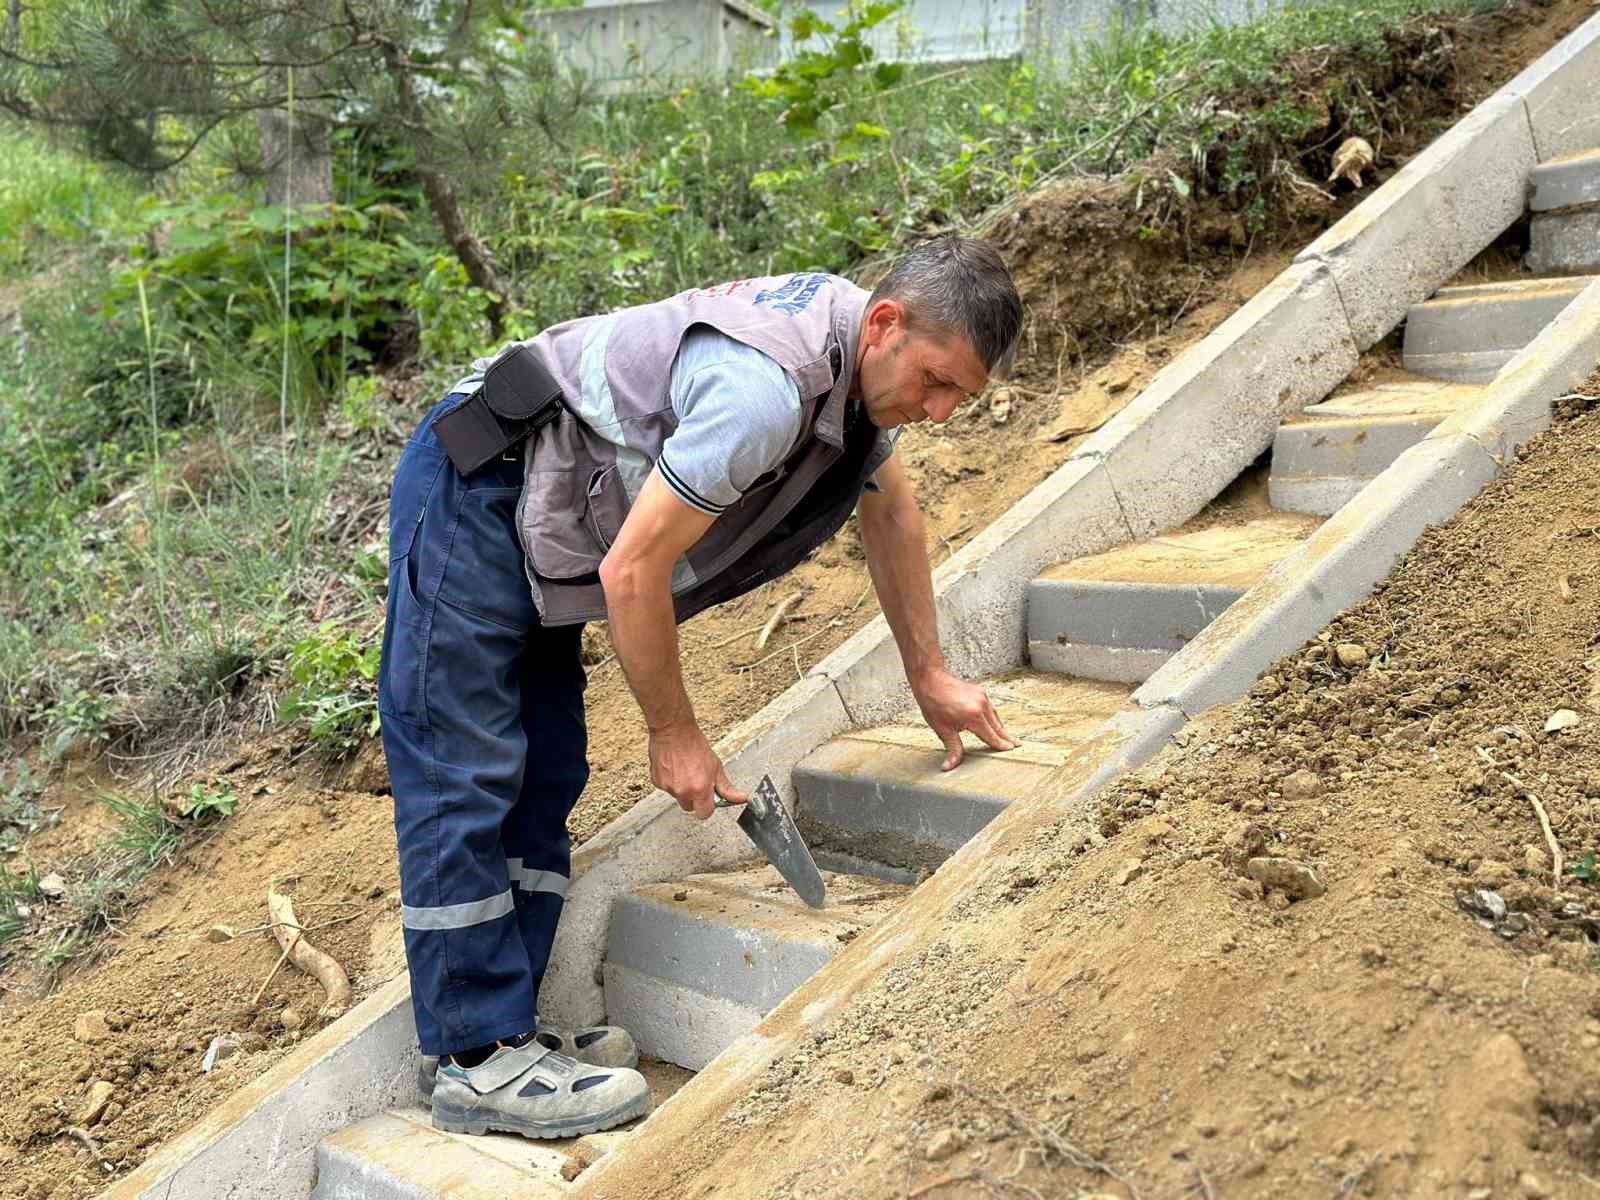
1312, 494
1567, 240
398, 1156
1145, 615
260, 1143
674, 1023
1336, 567
742, 941
1566, 182
1220, 402
1430, 218
1466, 334
1358, 447
979, 591
1558, 89
1518, 405
1115, 664
655, 840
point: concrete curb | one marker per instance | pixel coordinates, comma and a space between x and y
1430, 218
1358, 547
1558, 91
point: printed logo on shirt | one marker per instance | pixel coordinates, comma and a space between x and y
794, 296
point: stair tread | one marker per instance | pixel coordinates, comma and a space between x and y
402, 1145
1577, 156
1429, 398
1513, 289
1221, 556
757, 898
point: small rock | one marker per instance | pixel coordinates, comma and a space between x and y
1532, 1186
1437, 984
91, 1027
680, 895
571, 1169
1297, 879
943, 1144
1562, 718
1302, 785
1000, 406
52, 886
219, 1049
291, 1019
1226, 941
844, 1075
1277, 901
1352, 656
1130, 871
100, 1093
1373, 956
1535, 860
221, 933
252, 1042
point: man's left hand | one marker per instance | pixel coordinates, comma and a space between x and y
951, 706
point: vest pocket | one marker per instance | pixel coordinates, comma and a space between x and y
570, 519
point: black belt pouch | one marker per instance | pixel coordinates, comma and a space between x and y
517, 397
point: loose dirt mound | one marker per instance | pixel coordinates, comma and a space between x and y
1128, 1012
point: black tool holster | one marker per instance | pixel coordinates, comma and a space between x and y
517, 397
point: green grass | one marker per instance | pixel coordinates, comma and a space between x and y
51, 199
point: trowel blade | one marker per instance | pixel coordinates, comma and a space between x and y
767, 823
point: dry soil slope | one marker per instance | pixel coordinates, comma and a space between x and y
1130, 996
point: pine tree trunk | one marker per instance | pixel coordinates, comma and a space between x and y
441, 194
301, 173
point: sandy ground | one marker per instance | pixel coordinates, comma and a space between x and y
1108, 308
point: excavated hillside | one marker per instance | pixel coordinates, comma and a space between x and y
1121, 1011
1111, 298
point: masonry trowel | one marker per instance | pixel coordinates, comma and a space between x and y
767, 823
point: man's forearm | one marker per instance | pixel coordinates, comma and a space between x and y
644, 633
897, 558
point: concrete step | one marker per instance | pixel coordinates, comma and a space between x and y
876, 798
1566, 182
1567, 240
1466, 334
1326, 455
694, 965
400, 1156
1119, 615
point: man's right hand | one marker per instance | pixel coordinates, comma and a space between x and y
683, 764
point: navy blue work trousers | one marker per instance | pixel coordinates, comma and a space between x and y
482, 711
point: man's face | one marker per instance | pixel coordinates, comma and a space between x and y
908, 376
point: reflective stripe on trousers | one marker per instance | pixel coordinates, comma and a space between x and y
483, 730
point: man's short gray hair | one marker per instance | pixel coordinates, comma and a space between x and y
958, 285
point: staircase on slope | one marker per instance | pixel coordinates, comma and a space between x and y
692, 965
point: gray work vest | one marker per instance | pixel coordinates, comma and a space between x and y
583, 471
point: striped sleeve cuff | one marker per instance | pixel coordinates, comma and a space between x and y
686, 493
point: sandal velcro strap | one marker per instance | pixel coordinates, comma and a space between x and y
504, 1066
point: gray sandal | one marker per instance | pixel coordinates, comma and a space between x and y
597, 1045
533, 1091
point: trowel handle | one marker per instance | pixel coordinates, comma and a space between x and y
757, 804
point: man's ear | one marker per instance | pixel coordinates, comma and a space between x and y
881, 321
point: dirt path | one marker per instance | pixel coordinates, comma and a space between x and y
1133, 998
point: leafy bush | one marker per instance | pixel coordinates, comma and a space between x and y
220, 278
335, 691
